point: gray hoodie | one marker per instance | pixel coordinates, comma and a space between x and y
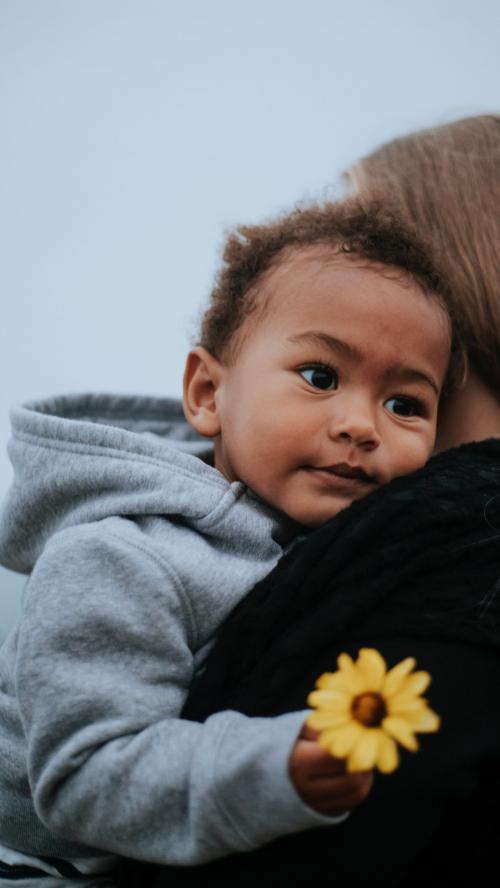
138, 549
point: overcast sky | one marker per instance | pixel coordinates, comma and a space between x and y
135, 132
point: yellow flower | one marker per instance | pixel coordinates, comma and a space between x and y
363, 709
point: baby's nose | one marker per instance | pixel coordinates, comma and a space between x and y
356, 426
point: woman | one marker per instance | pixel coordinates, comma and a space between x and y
412, 570
447, 180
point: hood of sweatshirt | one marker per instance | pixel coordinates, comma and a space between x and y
83, 458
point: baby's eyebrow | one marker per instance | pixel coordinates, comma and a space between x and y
317, 337
409, 374
400, 372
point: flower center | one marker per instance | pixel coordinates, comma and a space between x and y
369, 709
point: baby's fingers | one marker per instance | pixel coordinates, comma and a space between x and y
311, 761
307, 733
322, 781
338, 794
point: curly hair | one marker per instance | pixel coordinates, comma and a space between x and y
366, 230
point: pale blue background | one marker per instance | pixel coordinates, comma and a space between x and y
134, 132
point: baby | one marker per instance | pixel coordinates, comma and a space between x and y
317, 377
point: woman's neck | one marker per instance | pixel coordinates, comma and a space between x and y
470, 414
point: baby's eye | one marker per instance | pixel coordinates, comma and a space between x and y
404, 406
320, 377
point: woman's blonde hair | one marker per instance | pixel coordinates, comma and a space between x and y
447, 180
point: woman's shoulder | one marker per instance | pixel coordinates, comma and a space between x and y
470, 472
472, 468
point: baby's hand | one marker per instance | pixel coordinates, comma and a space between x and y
322, 781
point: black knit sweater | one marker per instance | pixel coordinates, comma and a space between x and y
420, 557
413, 570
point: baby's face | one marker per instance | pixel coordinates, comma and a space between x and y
334, 389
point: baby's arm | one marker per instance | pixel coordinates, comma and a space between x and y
103, 668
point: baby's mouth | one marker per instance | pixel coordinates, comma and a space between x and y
345, 470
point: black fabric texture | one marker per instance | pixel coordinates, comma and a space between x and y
420, 557
413, 570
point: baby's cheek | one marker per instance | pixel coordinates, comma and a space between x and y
417, 456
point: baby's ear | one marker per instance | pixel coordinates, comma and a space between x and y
202, 377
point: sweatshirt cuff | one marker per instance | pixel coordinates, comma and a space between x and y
266, 804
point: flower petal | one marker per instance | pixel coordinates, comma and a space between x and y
365, 752
340, 741
324, 680
331, 700
334, 681
324, 718
401, 731
355, 680
345, 662
416, 683
395, 676
426, 721
373, 666
400, 704
388, 755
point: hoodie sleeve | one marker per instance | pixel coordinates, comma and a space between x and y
104, 666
